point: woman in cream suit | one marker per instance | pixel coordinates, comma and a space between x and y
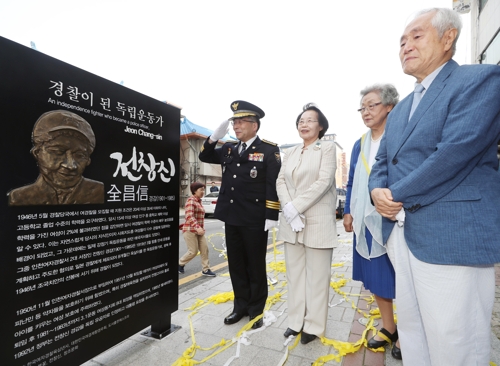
307, 192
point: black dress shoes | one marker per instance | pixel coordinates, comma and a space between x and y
233, 318
259, 323
289, 332
396, 352
387, 338
306, 338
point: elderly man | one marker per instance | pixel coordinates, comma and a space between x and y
436, 174
62, 144
248, 204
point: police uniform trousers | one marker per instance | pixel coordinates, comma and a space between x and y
444, 311
308, 273
246, 252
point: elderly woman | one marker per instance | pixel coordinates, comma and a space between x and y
371, 264
193, 230
307, 192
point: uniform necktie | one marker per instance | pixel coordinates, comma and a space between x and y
417, 96
243, 148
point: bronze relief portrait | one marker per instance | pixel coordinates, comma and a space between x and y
62, 144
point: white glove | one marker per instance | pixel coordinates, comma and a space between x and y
220, 131
270, 224
297, 224
290, 212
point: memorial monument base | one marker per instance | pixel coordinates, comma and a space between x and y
158, 332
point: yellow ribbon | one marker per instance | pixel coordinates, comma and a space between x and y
337, 282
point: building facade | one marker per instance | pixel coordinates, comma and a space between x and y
485, 33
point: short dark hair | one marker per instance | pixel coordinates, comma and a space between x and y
195, 186
323, 122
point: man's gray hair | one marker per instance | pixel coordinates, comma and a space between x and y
388, 93
443, 20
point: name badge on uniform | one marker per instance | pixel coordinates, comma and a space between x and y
253, 172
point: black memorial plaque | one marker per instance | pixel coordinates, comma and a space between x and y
89, 218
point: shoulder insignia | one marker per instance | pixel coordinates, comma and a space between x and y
269, 142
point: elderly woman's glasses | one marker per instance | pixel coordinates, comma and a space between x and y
307, 122
370, 107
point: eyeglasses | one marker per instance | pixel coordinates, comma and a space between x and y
370, 107
306, 122
241, 121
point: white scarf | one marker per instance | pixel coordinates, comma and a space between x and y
362, 211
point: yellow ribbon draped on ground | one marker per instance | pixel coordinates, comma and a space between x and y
187, 358
223, 251
343, 348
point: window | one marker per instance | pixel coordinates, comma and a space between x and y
482, 3
492, 53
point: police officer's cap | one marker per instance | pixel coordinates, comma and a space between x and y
63, 120
241, 109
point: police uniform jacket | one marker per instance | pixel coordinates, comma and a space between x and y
247, 196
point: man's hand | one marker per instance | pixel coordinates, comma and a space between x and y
384, 203
348, 223
220, 131
270, 224
200, 231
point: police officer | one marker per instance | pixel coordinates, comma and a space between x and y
247, 203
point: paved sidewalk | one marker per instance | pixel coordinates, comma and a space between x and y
267, 346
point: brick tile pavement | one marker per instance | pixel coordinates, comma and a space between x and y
365, 357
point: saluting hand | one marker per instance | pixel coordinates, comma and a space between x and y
220, 131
